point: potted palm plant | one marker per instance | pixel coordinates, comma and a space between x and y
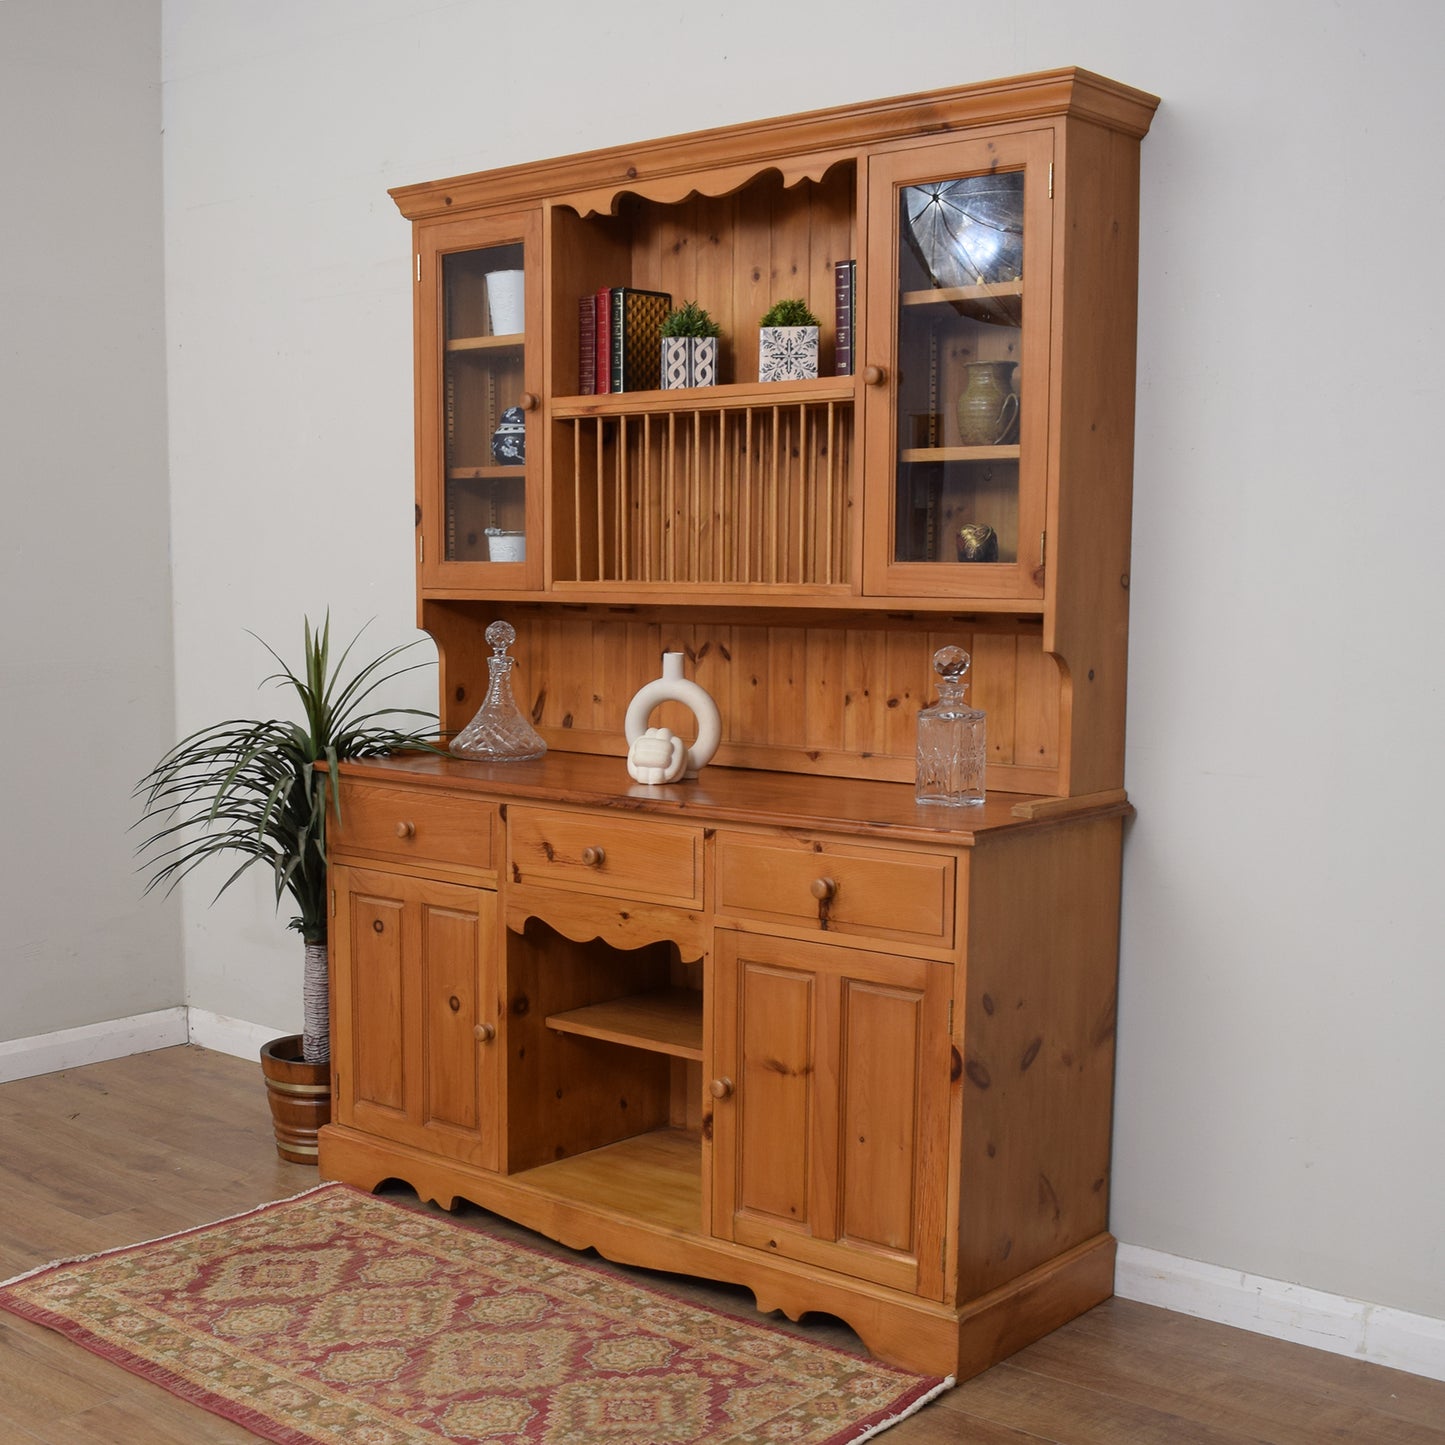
251, 789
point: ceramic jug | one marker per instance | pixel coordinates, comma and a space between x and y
988, 410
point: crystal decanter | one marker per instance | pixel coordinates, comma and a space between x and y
499, 733
951, 750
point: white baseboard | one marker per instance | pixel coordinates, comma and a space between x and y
230, 1036
1332, 1322
92, 1043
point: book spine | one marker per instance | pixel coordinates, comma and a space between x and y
602, 382
587, 345
618, 333
843, 277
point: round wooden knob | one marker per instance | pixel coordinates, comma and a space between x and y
406, 830
594, 857
528, 401
823, 889
873, 376
721, 1088
485, 1033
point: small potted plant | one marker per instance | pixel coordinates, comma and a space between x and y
250, 790
788, 343
689, 347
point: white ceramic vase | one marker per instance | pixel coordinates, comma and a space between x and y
672, 686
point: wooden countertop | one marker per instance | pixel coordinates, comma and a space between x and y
723, 795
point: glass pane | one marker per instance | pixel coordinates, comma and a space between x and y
483, 384
960, 334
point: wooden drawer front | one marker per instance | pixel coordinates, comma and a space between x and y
837, 888
413, 824
625, 857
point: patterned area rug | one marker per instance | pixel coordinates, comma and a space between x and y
340, 1317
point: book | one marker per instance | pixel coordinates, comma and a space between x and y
637, 318
844, 275
587, 345
602, 324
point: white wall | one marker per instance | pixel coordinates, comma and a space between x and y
85, 611
1280, 1078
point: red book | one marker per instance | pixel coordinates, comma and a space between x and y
602, 323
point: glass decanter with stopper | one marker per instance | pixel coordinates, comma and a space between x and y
951, 746
499, 733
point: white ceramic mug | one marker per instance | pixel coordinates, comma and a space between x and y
505, 290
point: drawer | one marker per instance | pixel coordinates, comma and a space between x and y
838, 887
412, 825
593, 853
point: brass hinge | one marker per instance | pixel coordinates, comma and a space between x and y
420, 548
1051, 196
418, 254
333, 900
1043, 547
950, 1020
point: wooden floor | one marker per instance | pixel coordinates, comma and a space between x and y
119, 1152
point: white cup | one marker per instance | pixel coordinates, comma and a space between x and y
505, 290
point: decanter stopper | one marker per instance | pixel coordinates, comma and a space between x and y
499, 733
951, 743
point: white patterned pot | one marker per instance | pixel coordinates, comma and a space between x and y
689, 361
787, 353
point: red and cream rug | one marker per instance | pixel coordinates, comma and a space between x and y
341, 1317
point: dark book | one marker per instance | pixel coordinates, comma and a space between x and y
844, 273
587, 345
637, 318
602, 325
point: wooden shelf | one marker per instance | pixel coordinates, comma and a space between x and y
953, 295
666, 1022
656, 1177
734, 396
489, 474
960, 454
486, 343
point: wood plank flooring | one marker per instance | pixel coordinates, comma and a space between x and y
113, 1153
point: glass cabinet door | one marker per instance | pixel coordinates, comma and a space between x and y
480, 430
959, 261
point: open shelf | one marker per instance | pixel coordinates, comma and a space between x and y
655, 1176
667, 1021
731, 396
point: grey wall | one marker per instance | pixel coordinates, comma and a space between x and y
86, 689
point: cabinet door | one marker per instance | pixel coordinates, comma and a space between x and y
831, 1100
960, 261
479, 431
414, 978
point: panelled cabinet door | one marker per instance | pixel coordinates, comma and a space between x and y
414, 980
830, 1103
479, 427
957, 405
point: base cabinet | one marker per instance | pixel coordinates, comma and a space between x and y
413, 976
864, 1077
830, 1107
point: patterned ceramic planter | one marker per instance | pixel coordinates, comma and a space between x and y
689, 361
787, 353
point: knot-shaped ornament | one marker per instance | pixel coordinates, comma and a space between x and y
658, 756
